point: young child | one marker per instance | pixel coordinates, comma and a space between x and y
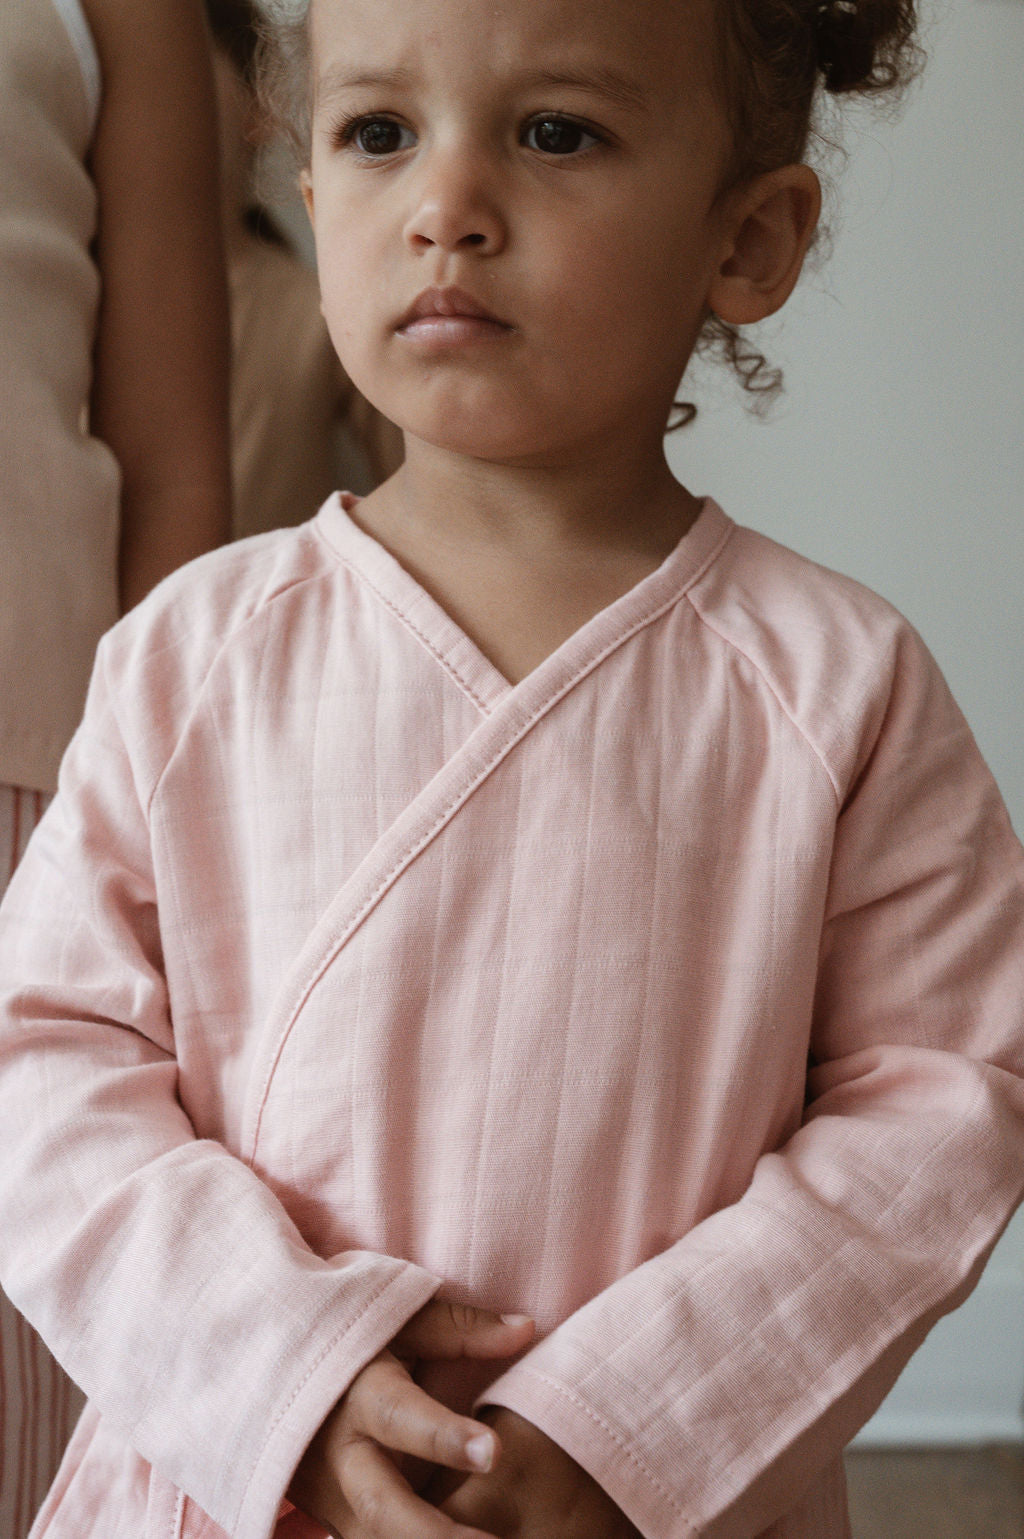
113, 431
522, 892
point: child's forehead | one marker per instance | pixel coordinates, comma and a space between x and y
633, 41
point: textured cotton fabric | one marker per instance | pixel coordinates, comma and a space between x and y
59, 487
38, 1402
673, 996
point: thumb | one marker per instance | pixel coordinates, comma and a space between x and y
442, 1329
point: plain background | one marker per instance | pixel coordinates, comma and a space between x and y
897, 455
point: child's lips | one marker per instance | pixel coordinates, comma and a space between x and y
447, 315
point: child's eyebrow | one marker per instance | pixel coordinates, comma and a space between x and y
604, 82
338, 78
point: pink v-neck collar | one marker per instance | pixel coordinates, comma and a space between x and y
462, 659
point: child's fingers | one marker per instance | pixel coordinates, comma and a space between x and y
445, 1330
384, 1412
384, 1506
482, 1502
387, 1406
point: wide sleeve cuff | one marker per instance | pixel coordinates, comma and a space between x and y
335, 1362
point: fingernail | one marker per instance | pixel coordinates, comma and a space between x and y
480, 1452
517, 1319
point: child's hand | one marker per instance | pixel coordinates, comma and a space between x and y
535, 1491
349, 1479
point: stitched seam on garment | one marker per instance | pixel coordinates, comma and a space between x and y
787, 713
449, 667
420, 635
410, 852
250, 618
709, 560
144, 805
895, 1203
826, 1263
310, 1371
769, 1452
634, 1459
179, 1516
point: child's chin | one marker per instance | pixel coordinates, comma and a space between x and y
486, 436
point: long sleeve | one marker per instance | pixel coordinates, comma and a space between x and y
307, 892
165, 1275
707, 1388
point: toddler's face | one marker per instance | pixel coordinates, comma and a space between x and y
553, 166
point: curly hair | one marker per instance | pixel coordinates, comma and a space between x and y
777, 62
283, 69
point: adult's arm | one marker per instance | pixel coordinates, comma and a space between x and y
160, 388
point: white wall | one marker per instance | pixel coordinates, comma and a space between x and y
898, 456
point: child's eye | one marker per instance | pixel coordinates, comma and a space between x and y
375, 136
555, 135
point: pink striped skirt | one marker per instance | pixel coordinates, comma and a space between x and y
38, 1403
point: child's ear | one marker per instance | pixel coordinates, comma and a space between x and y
771, 223
306, 188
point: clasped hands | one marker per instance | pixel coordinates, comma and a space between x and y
496, 1478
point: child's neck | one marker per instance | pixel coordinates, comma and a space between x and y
521, 558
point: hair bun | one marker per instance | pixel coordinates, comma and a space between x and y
846, 40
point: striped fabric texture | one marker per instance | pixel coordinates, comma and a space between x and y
38, 1402
673, 995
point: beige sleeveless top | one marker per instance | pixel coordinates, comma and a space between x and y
59, 488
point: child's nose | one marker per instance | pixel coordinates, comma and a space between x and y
456, 208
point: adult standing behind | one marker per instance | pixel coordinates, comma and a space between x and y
113, 427
299, 427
